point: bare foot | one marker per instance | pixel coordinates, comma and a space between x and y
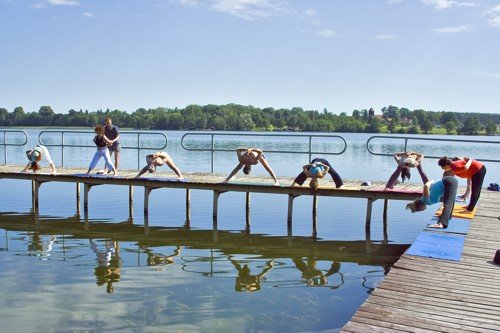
436, 226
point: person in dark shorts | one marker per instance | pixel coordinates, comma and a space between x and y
318, 168
113, 134
445, 188
248, 157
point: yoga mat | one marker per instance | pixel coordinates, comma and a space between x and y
455, 226
458, 211
438, 246
165, 179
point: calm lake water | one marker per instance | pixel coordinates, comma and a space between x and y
61, 272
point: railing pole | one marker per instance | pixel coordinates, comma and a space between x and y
5, 147
138, 151
212, 149
62, 149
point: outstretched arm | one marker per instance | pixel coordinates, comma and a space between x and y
427, 187
268, 168
143, 171
235, 171
26, 167
468, 190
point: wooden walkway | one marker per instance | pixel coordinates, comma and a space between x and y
430, 295
213, 182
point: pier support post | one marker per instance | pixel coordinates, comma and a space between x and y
130, 201
369, 213
188, 207
78, 198
314, 215
86, 189
146, 224
384, 217
290, 213
36, 195
247, 211
33, 194
147, 192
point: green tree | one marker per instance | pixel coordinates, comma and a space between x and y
471, 126
413, 130
450, 126
491, 128
426, 125
374, 126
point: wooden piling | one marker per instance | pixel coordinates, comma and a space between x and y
369, 213
130, 201
188, 206
86, 189
78, 198
147, 191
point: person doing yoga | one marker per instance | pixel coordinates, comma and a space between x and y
445, 188
158, 159
405, 161
316, 169
248, 157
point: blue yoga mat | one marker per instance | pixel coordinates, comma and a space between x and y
438, 245
455, 226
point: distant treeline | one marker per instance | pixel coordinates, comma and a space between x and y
234, 117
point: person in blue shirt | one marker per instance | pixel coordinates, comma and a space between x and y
317, 168
433, 191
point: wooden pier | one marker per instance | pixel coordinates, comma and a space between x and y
430, 295
213, 182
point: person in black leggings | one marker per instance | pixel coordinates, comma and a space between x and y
318, 168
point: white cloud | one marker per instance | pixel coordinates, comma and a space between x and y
87, 14
187, 2
327, 33
251, 9
311, 12
451, 30
446, 4
496, 9
63, 2
385, 36
391, 2
495, 22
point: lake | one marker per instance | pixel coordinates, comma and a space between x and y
62, 272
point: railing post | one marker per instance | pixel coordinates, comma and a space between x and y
212, 150
138, 151
5, 147
62, 149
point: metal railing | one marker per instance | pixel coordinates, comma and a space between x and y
5, 144
62, 144
243, 136
408, 138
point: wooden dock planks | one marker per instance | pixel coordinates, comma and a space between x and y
430, 295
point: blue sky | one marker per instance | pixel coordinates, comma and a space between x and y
336, 54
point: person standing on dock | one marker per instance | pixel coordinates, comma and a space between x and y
405, 161
102, 143
474, 171
158, 159
248, 157
316, 169
35, 155
113, 134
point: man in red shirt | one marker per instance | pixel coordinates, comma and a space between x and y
474, 171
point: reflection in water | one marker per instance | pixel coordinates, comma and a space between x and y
40, 246
108, 263
257, 282
245, 281
315, 276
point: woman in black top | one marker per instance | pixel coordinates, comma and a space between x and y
102, 142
